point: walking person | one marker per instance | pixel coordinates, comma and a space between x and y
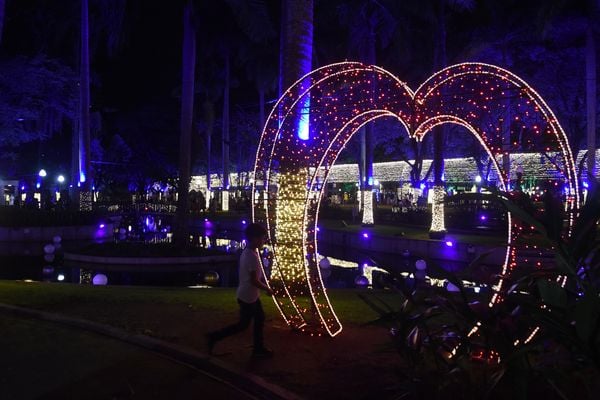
248, 293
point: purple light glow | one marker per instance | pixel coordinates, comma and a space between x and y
365, 235
101, 226
449, 243
483, 217
244, 222
318, 230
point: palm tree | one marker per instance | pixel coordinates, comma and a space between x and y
85, 199
590, 87
296, 46
222, 41
226, 122
111, 20
187, 108
368, 22
438, 10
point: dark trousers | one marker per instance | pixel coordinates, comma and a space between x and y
248, 312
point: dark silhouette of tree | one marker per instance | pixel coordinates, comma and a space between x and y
187, 109
368, 22
2, 9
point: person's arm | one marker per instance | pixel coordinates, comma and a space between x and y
258, 283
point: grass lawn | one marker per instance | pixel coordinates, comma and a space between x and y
358, 363
411, 232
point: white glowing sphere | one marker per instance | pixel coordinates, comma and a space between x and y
99, 279
325, 263
60, 277
421, 265
49, 249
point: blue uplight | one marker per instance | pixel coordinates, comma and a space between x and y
243, 222
449, 243
586, 185
365, 235
483, 218
422, 186
101, 226
303, 123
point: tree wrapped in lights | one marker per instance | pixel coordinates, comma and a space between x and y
291, 172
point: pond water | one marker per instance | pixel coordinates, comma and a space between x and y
344, 267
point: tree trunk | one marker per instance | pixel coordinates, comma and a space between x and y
209, 118
590, 70
85, 200
261, 109
73, 189
438, 227
187, 107
225, 139
296, 44
367, 147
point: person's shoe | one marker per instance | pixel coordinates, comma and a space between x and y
210, 343
262, 352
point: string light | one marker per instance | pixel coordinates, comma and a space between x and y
456, 169
367, 218
506, 116
437, 223
225, 200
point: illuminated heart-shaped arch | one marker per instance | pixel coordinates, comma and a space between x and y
290, 172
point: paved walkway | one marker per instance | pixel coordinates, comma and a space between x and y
50, 356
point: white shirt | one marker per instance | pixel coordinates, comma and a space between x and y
249, 262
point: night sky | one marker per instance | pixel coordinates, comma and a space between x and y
136, 83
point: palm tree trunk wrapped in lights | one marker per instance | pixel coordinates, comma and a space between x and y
225, 139
85, 194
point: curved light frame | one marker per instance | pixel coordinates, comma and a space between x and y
291, 170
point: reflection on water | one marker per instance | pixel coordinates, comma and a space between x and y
339, 267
